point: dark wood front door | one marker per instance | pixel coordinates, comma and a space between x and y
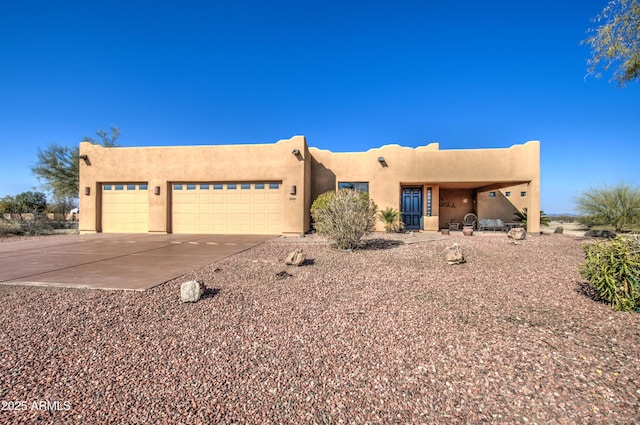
411, 207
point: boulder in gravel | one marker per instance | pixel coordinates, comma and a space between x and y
296, 258
559, 230
517, 233
598, 233
454, 255
191, 291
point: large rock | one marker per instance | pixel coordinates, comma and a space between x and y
191, 291
517, 233
598, 233
454, 255
296, 258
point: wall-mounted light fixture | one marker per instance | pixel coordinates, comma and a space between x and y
85, 158
292, 190
87, 190
296, 152
156, 190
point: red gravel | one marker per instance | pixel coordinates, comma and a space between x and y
390, 334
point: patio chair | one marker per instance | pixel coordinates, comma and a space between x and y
470, 220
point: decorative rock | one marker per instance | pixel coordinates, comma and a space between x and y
597, 233
191, 291
296, 258
453, 255
517, 233
559, 230
283, 275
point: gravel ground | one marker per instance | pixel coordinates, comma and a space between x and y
388, 334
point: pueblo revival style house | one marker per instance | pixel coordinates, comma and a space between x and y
269, 188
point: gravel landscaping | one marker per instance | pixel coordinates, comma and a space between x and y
387, 334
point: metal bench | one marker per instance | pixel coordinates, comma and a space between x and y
491, 224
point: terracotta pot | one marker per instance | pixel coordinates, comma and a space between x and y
467, 230
445, 231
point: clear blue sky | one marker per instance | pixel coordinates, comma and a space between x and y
349, 75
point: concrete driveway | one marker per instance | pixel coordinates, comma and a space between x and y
114, 261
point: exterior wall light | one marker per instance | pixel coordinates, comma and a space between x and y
156, 190
292, 190
87, 190
296, 152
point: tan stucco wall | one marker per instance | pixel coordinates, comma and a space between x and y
454, 174
429, 166
502, 206
161, 166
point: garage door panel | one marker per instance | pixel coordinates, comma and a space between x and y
125, 208
249, 208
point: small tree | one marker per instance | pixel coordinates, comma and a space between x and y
616, 41
32, 202
617, 206
346, 217
8, 205
58, 165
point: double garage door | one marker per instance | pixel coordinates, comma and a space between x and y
233, 208
200, 207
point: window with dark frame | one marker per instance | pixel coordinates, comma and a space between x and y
359, 186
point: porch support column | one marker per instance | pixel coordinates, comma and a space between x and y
533, 210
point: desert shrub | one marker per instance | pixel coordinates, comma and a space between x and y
391, 219
612, 268
8, 226
28, 224
344, 217
320, 204
617, 206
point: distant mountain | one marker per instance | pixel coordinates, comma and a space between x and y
562, 214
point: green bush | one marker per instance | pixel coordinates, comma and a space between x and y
613, 270
522, 216
344, 217
391, 219
617, 206
320, 204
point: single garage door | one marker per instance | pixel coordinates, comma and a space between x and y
125, 208
227, 208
